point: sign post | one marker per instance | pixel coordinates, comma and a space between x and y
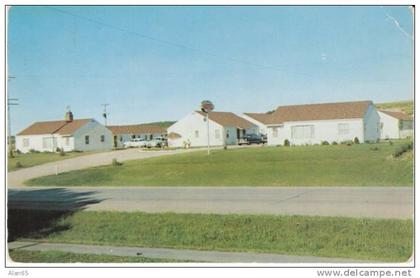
207, 106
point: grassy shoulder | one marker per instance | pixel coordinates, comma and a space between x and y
332, 165
23, 256
33, 159
370, 239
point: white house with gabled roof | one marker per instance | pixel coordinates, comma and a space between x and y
225, 128
395, 124
331, 122
69, 135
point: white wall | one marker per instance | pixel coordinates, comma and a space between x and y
323, 131
389, 126
35, 142
187, 128
372, 130
62, 142
94, 130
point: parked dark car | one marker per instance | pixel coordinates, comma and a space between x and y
251, 139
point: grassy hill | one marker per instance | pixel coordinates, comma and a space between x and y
405, 106
164, 124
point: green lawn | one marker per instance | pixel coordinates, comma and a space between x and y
406, 106
333, 165
24, 256
32, 159
370, 239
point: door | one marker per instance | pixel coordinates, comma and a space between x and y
115, 141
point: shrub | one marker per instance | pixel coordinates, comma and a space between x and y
325, 143
402, 149
278, 145
18, 151
410, 145
286, 143
18, 164
115, 162
57, 149
334, 143
33, 151
391, 143
356, 140
62, 153
374, 148
11, 155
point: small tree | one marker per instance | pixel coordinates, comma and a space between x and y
286, 143
356, 140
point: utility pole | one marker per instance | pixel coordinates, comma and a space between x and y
207, 106
105, 114
208, 133
10, 102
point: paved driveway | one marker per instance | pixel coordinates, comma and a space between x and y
16, 178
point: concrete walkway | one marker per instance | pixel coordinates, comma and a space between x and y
177, 254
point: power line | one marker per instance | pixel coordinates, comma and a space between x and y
207, 53
182, 46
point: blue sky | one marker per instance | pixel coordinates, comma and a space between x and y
158, 63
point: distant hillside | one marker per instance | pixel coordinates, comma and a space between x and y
164, 124
405, 106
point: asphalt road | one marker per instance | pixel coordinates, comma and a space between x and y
376, 202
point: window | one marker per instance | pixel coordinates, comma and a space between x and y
197, 134
217, 133
406, 125
47, 143
102, 138
343, 129
25, 142
151, 136
133, 136
67, 141
303, 132
121, 138
87, 140
275, 132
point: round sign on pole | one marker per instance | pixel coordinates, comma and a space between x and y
207, 106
